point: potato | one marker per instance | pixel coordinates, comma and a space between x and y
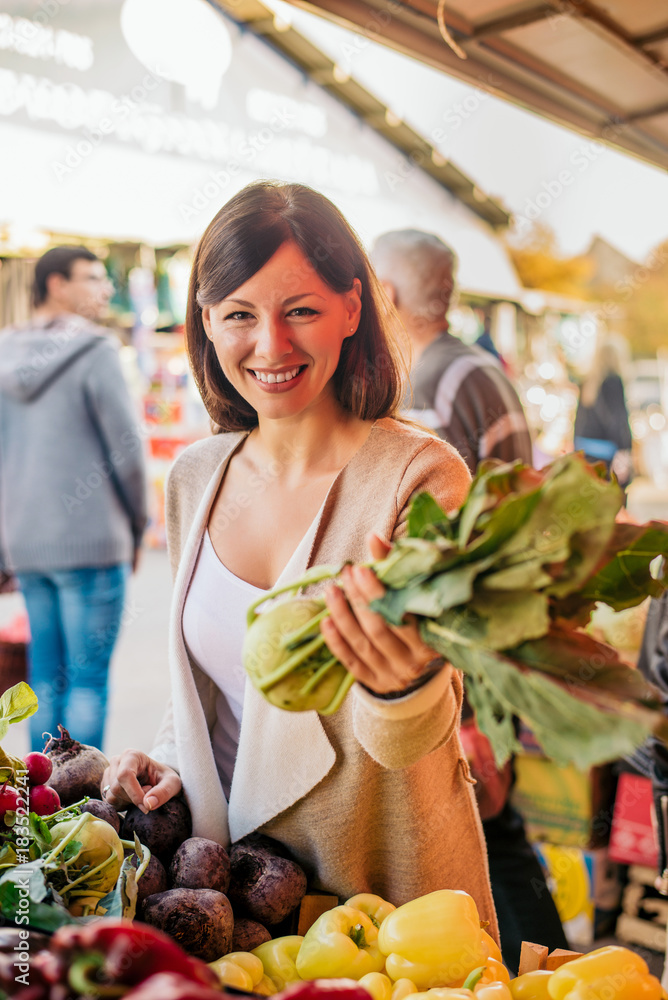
200, 920
264, 884
200, 864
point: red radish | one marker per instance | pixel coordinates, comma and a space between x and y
44, 800
39, 768
9, 799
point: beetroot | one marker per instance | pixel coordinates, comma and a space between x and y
162, 830
200, 864
248, 934
44, 800
264, 884
77, 768
103, 810
200, 920
39, 768
153, 881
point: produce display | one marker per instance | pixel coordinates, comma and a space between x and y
211, 921
502, 590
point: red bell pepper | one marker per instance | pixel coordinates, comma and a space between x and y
171, 986
123, 953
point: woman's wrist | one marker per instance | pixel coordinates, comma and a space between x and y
429, 671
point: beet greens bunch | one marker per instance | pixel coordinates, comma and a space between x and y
502, 589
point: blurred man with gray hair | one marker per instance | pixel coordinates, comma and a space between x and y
459, 391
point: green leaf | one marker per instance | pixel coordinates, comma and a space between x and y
568, 729
521, 575
499, 619
493, 719
121, 901
574, 499
16, 704
588, 668
625, 579
430, 597
410, 561
39, 831
43, 916
71, 850
426, 519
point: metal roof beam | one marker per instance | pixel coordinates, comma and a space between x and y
520, 20
653, 37
643, 114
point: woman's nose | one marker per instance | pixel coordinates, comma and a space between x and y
273, 338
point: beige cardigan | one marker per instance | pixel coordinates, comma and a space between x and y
378, 797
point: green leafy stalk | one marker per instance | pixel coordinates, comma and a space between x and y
501, 589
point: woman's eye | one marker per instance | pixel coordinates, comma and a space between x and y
304, 311
238, 315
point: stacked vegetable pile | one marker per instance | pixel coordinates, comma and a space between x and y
432, 948
502, 589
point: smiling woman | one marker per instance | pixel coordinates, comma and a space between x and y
319, 254
295, 354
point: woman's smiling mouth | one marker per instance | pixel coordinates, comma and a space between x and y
265, 377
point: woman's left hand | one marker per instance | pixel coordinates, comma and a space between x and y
383, 657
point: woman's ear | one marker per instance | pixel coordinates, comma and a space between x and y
354, 305
206, 321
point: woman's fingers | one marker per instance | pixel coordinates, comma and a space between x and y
404, 642
169, 785
377, 546
134, 778
374, 653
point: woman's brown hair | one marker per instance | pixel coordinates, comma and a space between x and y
370, 377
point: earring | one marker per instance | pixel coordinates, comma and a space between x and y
352, 329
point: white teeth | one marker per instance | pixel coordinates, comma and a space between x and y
276, 376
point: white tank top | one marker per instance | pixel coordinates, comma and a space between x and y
214, 626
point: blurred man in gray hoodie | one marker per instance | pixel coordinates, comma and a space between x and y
72, 489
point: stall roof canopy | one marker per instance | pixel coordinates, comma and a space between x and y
327, 74
601, 68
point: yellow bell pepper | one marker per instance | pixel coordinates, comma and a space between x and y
342, 943
611, 973
531, 986
445, 993
378, 984
240, 969
492, 971
278, 959
403, 988
434, 940
492, 991
266, 987
374, 906
494, 950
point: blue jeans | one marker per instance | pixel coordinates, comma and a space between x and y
75, 616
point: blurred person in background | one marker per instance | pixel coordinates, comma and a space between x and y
602, 428
463, 394
72, 489
458, 390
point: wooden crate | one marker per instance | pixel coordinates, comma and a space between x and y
537, 956
644, 912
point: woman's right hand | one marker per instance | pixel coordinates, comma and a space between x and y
134, 778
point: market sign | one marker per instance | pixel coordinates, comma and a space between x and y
138, 127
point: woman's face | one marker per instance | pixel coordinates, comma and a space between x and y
278, 336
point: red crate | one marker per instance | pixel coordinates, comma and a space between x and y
633, 835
